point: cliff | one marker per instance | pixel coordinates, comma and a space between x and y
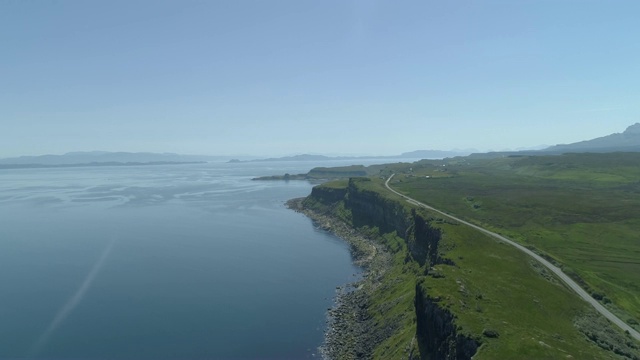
359, 202
327, 195
436, 331
373, 209
448, 291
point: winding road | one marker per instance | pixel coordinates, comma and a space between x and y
556, 270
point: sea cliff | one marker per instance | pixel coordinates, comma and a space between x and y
435, 289
388, 314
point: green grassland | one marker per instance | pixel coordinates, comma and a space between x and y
493, 286
487, 285
338, 172
582, 210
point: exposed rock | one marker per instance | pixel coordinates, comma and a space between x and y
490, 333
436, 331
349, 332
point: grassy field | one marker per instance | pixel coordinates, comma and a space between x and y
583, 210
487, 285
494, 287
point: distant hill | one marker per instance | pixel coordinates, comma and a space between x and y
303, 157
99, 157
418, 154
93, 164
433, 154
628, 141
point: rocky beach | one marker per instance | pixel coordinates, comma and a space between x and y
348, 334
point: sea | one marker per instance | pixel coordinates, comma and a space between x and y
189, 261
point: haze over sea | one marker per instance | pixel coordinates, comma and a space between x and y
170, 261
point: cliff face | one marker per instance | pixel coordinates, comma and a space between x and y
370, 208
436, 329
424, 240
327, 195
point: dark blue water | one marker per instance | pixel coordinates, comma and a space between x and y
181, 261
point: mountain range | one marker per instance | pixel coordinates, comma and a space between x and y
418, 154
105, 157
627, 141
122, 158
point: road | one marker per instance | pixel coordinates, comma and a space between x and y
556, 270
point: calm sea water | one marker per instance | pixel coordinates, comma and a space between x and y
180, 261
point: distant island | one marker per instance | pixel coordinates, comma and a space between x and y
93, 164
107, 158
93, 157
417, 154
627, 141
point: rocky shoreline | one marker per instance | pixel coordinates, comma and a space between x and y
348, 334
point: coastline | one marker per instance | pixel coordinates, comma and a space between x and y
348, 334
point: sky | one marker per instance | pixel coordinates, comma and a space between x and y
336, 77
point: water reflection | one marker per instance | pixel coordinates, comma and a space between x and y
208, 264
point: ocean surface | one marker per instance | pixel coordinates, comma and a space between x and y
166, 261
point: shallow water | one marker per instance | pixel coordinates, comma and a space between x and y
176, 261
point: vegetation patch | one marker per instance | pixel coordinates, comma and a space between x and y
597, 329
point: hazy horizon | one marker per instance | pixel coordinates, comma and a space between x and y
332, 78
232, 155
260, 156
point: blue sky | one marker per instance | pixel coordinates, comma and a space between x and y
333, 77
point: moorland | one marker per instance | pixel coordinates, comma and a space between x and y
581, 210
449, 291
